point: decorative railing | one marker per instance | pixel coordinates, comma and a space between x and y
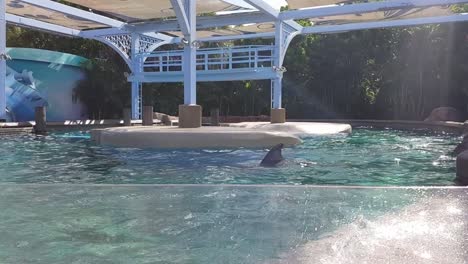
212, 59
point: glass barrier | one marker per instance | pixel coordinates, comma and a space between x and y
231, 224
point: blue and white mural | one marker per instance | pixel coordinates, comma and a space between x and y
43, 78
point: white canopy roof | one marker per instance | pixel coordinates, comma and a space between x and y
224, 19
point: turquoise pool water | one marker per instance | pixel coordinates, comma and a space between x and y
367, 157
176, 211
199, 224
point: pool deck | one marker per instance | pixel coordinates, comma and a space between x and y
248, 135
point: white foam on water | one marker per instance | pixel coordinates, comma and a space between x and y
430, 231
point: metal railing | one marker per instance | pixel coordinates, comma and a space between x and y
212, 59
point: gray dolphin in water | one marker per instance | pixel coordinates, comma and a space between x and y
273, 157
462, 146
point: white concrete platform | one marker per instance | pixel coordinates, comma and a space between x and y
299, 129
204, 137
254, 135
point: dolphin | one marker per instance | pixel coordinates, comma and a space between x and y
462, 146
273, 157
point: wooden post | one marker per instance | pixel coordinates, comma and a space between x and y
127, 116
41, 120
147, 115
215, 117
190, 116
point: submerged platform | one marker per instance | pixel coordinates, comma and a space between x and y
299, 129
204, 137
234, 136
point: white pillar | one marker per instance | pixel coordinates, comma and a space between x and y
2, 60
190, 76
136, 86
278, 114
190, 56
276, 83
277, 89
190, 114
136, 101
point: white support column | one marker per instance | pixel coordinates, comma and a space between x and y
190, 55
276, 88
136, 86
190, 114
278, 114
136, 101
277, 82
190, 76
3, 58
285, 31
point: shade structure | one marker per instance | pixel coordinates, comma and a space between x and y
26, 10
298, 4
403, 13
246, 29
215, 18
138, 10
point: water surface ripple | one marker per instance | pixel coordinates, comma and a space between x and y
367, 157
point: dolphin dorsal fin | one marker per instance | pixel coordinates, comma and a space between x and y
274, 156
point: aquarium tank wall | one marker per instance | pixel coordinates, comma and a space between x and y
43, 78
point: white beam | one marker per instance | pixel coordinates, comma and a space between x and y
385, 24
163, 37
264, 7
363, 8
39, 25
179, 9
268, 9
236, 37
202, 22
95, 33
68, 10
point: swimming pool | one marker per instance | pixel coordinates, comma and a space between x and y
64, 199
98, 223
366, 157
